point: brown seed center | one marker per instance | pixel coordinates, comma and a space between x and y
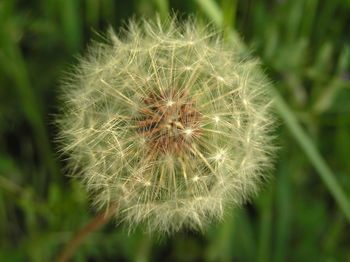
169, 123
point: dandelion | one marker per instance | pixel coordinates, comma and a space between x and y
168, 123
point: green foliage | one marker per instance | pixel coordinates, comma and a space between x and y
304, 47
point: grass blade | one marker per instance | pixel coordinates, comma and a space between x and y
305, 142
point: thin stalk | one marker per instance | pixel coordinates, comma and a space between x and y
312, 153
98, 221
163, 8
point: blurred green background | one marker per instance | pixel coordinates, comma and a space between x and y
302, 214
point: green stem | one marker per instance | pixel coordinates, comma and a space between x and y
163, 8
97, 222
314, 156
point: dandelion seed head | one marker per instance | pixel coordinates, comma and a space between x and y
168, 123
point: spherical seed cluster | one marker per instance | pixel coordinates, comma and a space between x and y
168, 123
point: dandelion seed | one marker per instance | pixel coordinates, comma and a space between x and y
220, 155
169, 123
170, 103
221, 79
188, 131
216, 119
195, 179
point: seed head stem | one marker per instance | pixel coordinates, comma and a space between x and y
97, 222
